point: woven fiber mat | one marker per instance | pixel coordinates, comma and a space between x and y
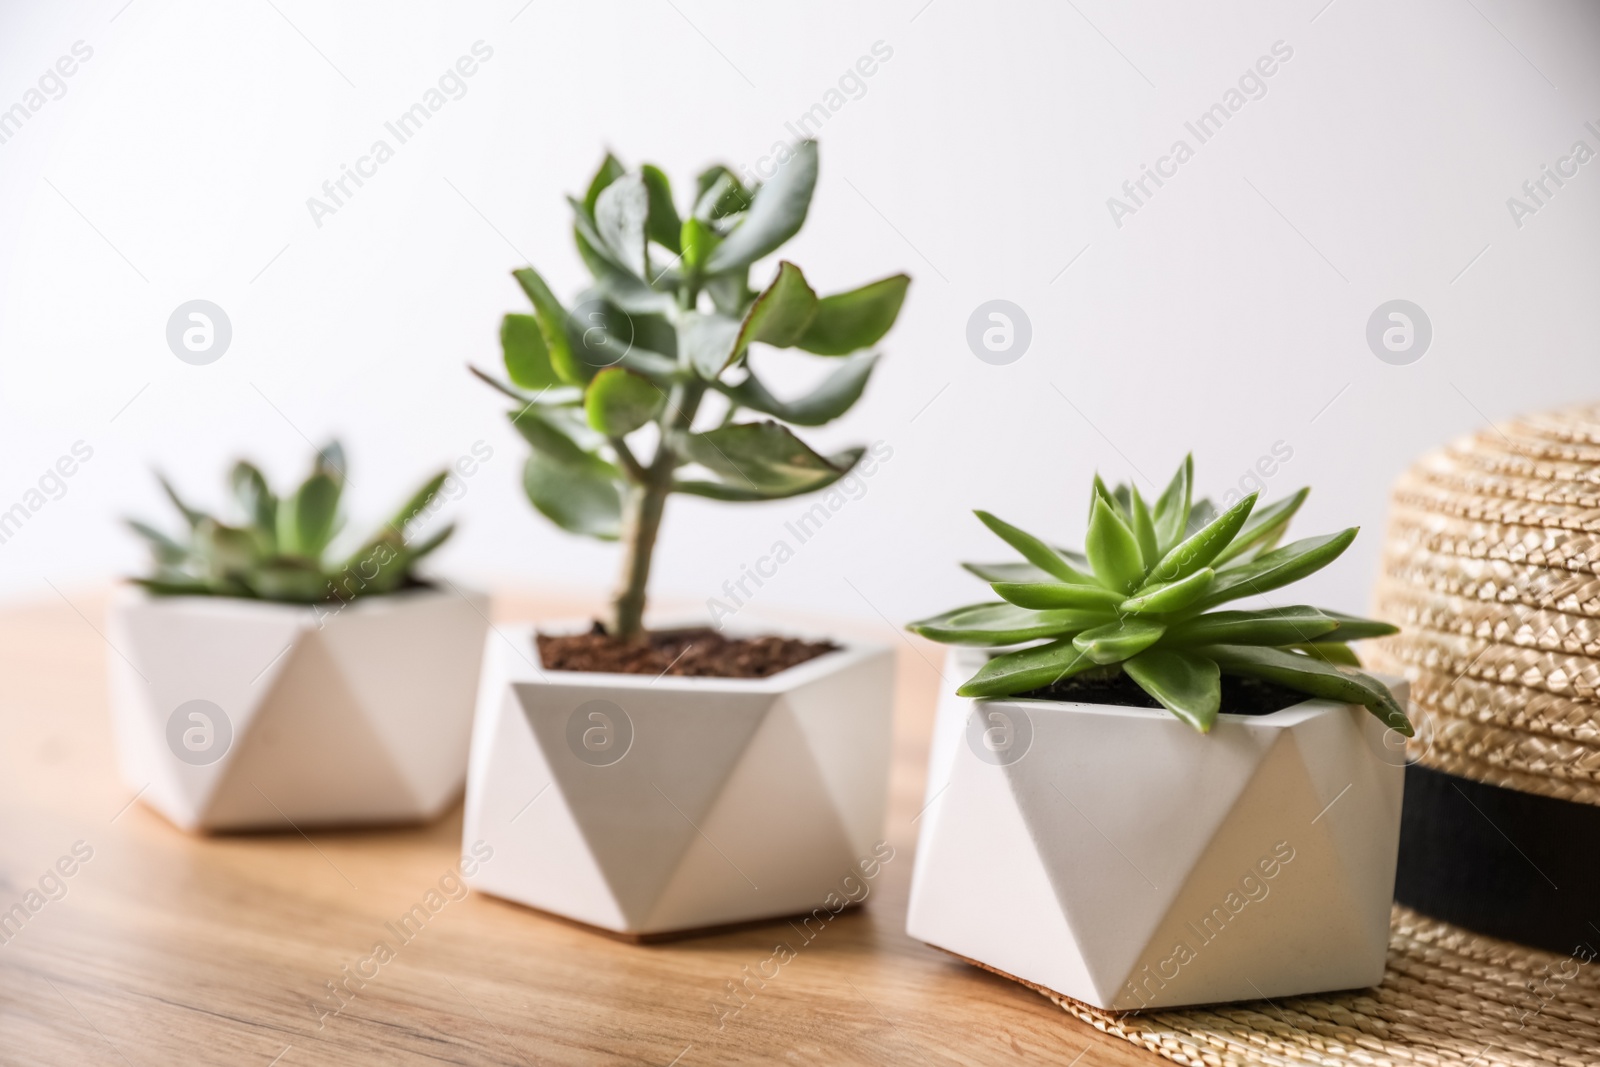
1450, 999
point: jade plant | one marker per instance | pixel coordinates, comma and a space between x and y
279, 550
1142, 600
612, 390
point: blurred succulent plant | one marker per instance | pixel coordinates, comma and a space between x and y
278, 552
669, 321
1140, 601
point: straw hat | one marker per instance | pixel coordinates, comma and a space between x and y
1492, 569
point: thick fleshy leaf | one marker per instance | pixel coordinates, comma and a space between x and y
836, 395
1028, 668
544, 430
735, 489
165, 549
1035, 551
289, 582
1143, 526
1186, 684
330, 460
730, 293
1009, 572
1203, 546
1328, 652
780, 314
527, 359
1171, 515
718, 194
761, 456
1314, 678
1274, 626
848, 322
1201, 514
1266, 525
253, 496
1169, 596
1051, 594
614, 280
305, 520
577, 498
709, 340
1277, 568
664, 226
611, 169
1354, 628
1116, 641
776, 213
621, 215
618, 402
416, 504
1112, 549
1001, 624
190, 515
552, 319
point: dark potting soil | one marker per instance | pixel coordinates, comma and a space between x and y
1240, 696
701, 653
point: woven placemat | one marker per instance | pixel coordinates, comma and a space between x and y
1449, 999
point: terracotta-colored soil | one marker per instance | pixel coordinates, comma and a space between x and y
702, 653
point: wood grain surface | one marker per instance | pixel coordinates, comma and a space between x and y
167, 948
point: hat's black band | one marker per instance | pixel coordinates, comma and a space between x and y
1512, 865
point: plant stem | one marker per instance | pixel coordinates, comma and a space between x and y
642, 510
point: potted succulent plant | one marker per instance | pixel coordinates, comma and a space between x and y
700, 776
257, 683
1138, 800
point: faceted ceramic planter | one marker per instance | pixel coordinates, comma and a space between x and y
652, 807
245, 715
1116, 856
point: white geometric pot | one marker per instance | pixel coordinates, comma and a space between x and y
1117, 856
653, 806
239, 714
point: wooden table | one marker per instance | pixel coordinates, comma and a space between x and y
169, 948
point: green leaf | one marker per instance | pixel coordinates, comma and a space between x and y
305, 520
166, 550
1112, 549
618, 402
718, 194
1001, 624
737, 490
1265, 526
548, 437
330, 461
1035, 551
1353, 628
780, 314
1144, 530
849, 322
836, 395
527, 359
1169, 596
1051, 594
428, 544
1328, 652
1186, 684
762, 456
1029, 668
289, 581
1116, 641
417, 503
698, 240
621, 214
1277, 568
1314, 678
190, 515
1201, 514
776, 213
1275, 626
664, 227
254, 497
730, 293
1200, 548
613, 280
1009, 572
552, 319
709, 341
1172, 510
611, 169
574, 497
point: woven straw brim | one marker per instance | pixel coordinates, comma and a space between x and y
1448, 999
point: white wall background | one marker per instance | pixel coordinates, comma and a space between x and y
1227, 315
